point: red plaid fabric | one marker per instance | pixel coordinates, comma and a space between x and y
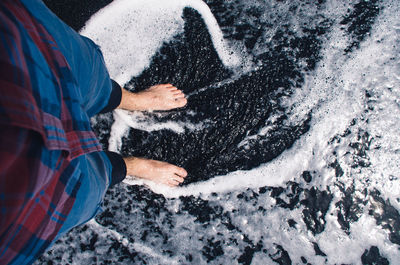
43, 128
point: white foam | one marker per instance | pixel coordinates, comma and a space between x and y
134, 247
333, 109
131, 31
334, 240
141, 121
334, 93
119, 129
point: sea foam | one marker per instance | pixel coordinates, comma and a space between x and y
334, 93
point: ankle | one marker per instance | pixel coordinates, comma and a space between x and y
131, 165
129, 100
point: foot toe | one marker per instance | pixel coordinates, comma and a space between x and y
178, 95
172, 183
169, 86
178, 179
181, 172
177, 91
181, 102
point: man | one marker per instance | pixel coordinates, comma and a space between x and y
53, 173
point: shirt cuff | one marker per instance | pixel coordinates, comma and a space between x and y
118, 172
115, 98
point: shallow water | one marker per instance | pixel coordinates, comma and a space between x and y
290, 135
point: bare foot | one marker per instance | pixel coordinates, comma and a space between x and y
157, 171
158, 97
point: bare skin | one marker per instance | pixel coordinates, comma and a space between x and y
157, 171
158, 97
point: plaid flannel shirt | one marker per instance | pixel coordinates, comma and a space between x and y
47, 146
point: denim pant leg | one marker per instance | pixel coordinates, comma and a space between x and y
95, 169
83, 56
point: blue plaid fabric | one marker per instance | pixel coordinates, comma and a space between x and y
53, 174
